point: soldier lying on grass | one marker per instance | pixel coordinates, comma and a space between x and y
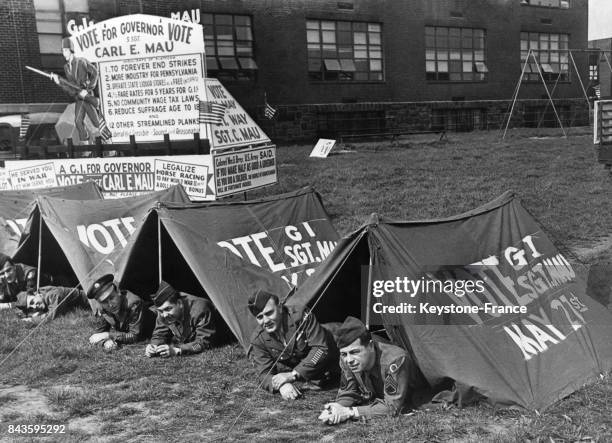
377, 378
288, 346
124, 318
50, 302
184, 325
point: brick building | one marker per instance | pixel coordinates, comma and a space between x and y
340, 67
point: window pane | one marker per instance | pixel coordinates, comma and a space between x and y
47, 5
312, 36
244, 34
228, 63
211, 64
329, 36
76, 6
50, 43
374, 39
247, 63
328, 26
312, 24
222, 19
375, 65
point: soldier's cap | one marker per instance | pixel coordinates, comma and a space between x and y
3, 259
22, 301
257, 302
164, 292
349, 331
67, 44
100, 285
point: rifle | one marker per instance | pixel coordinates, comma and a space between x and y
71, 87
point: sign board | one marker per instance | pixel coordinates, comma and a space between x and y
322, 148
241, 171
237, 128
119, 176
151, 74
602, 125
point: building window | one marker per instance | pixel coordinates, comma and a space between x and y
51, 18
455, 54
564, 4
594, 66
229, 46
344, 51
551, 52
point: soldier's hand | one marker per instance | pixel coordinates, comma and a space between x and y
110, 345
336, 414
167, 351
289, 392
83, 93
151, 350
55, 78
281, 378
97, 338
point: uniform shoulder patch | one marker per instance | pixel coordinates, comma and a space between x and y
397, 363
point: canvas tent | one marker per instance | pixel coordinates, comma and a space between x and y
527, 359
85, 238
226, 251
15, 207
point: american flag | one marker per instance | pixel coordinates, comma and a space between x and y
105, 133
211, 113
269, 112
25, 124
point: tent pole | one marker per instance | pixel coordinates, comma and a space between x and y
369, 296
159, 250
39, 252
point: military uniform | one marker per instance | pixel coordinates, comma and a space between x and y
57, 299
130, 325
385, 388
25, 280
194, 333
311, 354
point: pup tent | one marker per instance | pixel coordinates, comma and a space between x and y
81, 240
15, 207
527, 359
226, 251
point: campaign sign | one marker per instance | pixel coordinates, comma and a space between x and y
322, 148
241, 171
236, 128
119, 177
151, 75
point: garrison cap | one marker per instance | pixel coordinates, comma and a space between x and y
258, 301
3, 259
349, 331
100, 285
164, 292
67, 44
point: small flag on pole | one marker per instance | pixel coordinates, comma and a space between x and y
269, 112
105, 133
211, 113
25, 124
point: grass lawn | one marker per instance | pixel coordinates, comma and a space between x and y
56, 377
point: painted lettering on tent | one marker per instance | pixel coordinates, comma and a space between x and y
528, 359
90, 234
206, 248
289, 234
15, 208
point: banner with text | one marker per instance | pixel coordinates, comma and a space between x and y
243, 170
120, 176
236, 128
151, 75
